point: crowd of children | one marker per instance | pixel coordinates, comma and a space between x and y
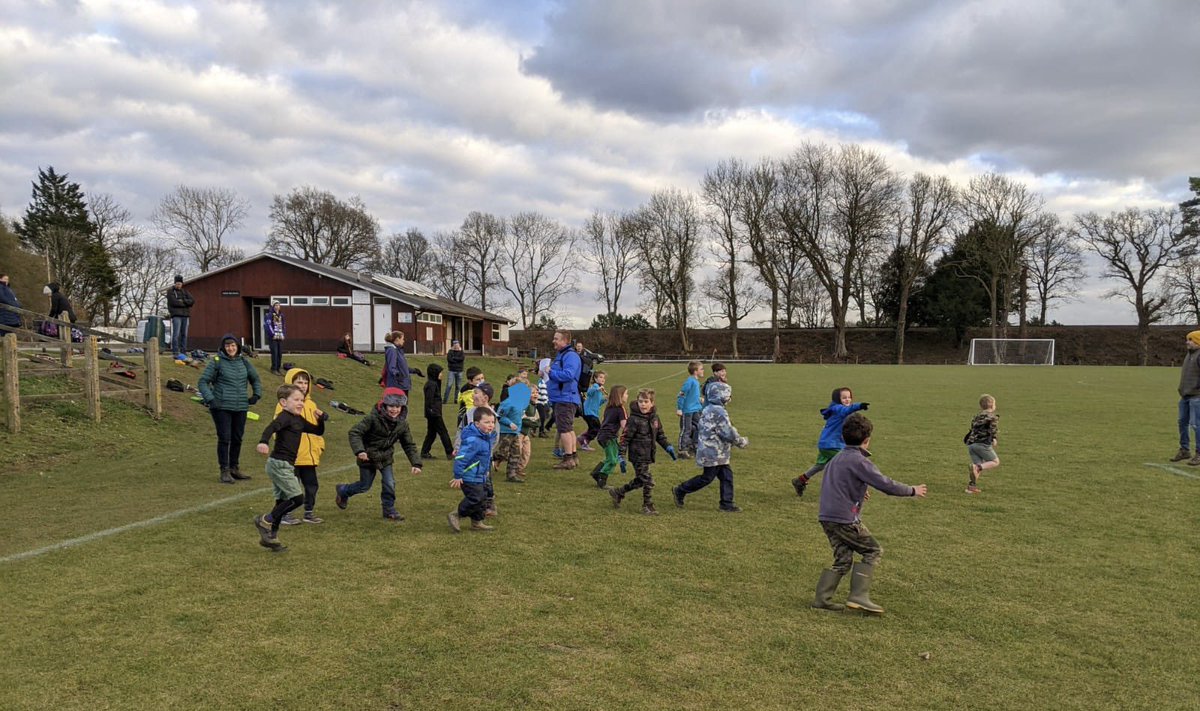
488, 437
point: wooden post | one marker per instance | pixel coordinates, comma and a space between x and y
64, 333
91, 377
12, 383
153, 379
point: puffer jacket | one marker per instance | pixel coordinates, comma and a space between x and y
311, 446
179, 302
223, 383
377, 435
474, 455
455, 359
716, 436
642, 430
9, 318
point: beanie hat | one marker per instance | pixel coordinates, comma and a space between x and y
1194, 338
394, 397
178, 278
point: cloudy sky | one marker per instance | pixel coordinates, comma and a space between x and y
429, 110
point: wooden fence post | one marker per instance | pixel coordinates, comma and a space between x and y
12, 383
91, 377
64, 333
153, 379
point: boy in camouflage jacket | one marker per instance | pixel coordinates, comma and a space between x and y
715, 439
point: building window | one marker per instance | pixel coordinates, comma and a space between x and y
499, 332
281, 300
340, 300
299, 301
429, 318
319, 301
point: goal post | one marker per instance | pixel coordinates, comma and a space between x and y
1011, 351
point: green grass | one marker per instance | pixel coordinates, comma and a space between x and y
1068, 584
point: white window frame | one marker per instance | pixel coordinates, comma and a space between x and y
499, 332
339, 301
296, 301
318, 301
427, 317
281, 300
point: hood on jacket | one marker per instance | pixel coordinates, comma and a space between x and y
434, 370
718, 393
51, 288
289, 378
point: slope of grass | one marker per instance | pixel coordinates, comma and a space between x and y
1066, 584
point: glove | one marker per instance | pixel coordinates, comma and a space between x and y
671, 452
624, 466
416, 371
254, 399
866, 406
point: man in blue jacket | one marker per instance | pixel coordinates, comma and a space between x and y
564, 396
8, 319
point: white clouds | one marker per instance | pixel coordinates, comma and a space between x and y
429, 112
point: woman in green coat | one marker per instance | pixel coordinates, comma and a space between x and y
223, 389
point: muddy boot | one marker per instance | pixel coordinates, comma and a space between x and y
617, 496
598, 476
237, 474
799, 485
226, 477
1181, 455
564, 463
860, 587
826, 587
649, 510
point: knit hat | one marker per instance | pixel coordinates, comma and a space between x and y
394, 397
178, 278
1194, 338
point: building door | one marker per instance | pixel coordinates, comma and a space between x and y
382, 310
258, 314
360, 304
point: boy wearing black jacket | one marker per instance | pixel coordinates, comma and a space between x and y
435, 425
287, 427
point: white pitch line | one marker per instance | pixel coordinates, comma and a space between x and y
145, 524
1173, 470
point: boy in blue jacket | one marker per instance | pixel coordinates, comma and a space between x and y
593, 404
688, 407
841, 406
471, 471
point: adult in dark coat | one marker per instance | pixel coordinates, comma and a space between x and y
8, 319
587, 362
179, 306
222, 387
58, 302
455, 360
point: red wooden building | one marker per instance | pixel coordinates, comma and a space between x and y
322, 303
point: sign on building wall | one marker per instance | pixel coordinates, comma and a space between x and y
404, 317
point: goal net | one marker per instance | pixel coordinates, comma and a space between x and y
1011, 351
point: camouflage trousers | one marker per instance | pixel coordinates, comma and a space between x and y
642, 479
514, 450
846, 539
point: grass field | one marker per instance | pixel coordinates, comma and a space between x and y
1067, 584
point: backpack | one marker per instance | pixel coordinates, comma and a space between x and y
177, 386
323, 384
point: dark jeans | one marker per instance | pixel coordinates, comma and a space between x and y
846, 539
308, 477
435, 428
722, 472
276, 353
366, 477
179, 329
231, 425
474, 501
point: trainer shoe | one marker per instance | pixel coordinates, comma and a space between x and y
1195, 461
1181, 455
558, 453
490, 511
393, 515
453, 520
732, 508
799, 485
675, 492
617, 496
289, 520
339, 498
264, 533
584, 446
481, 526
649, 510
310, 517
972, 489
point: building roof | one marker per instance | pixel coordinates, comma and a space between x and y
421, 297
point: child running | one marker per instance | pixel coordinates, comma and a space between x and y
435, 425
471, 468
308, 456
287, 427
373, 441
688, 406
609, 432
981, 441
841, 406
642, 430
593, 403
842, 498
715, 440
511, 414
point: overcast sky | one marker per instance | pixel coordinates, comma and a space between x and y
429, 110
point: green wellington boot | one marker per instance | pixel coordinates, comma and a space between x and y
826, 587
860, 586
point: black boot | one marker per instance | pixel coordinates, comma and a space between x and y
598, 476
860, 586
826, 587
237, 474
226, 477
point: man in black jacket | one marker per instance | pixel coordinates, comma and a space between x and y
179, 306
455, 360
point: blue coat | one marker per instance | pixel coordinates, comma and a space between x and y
595, 400
396, 372
564, 377
474, 456
689, 396
9, 318
835, 415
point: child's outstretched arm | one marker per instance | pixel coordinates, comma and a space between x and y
264, 446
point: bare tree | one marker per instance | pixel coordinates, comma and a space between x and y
1055, 264
806, 304
451, 273
478, 245
199, 219
667, 239
609, 254
770, 255
229, 254
408, 256
837, 207
730, 289
923, 226
143, 270
114, 229
1136, 245
314, 225
1182, 284
1004, 217
537, 260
